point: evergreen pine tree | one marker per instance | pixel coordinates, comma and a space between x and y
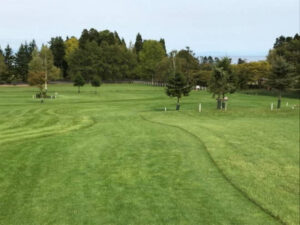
222, 81
79, 81
96, 82
138, 46
163, 43
9, 61
23, 57
281, 76
177, 87
57, 47
3, 69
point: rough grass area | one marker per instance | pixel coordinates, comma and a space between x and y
117, 157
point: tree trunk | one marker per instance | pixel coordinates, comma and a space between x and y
279, 100
177, 105
223, 102
218, 102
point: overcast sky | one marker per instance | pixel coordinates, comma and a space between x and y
231, 27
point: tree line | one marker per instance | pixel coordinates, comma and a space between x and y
105, 56
280, 71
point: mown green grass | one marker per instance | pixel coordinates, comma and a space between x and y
117, 157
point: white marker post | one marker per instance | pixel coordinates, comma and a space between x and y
272, 106
287, 104
165, 109
200, 107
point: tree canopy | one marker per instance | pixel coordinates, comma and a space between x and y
150, 56
222, 80
42, 69
177, 87
78, 81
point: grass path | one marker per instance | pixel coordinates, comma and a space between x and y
92, 159
265, 210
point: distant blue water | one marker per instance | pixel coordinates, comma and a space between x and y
235, 58
248, 58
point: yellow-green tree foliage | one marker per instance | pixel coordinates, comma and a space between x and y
71, 45
40, 65
150, 56
252, 73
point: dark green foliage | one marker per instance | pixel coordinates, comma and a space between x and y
78, 81
222, 80
288, 48
3, 69
150, 57
84, 38
117, 62
241, 61
22, 59
9, 59
189, 63
99, 37
102, 54
57, 47
177, 87
96, 82
21, 62
281, 76
86, 61
163, 43
138, 46
32, 46
164, 69
109, 62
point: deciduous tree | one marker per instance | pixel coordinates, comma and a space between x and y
41, 68
150, 56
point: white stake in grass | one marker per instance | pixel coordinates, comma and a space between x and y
272, 106
165, 109
287, 104
200, 107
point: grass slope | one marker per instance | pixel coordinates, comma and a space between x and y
117, 158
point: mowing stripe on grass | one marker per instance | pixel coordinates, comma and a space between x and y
265, 210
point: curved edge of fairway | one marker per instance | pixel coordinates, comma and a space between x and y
244, 194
